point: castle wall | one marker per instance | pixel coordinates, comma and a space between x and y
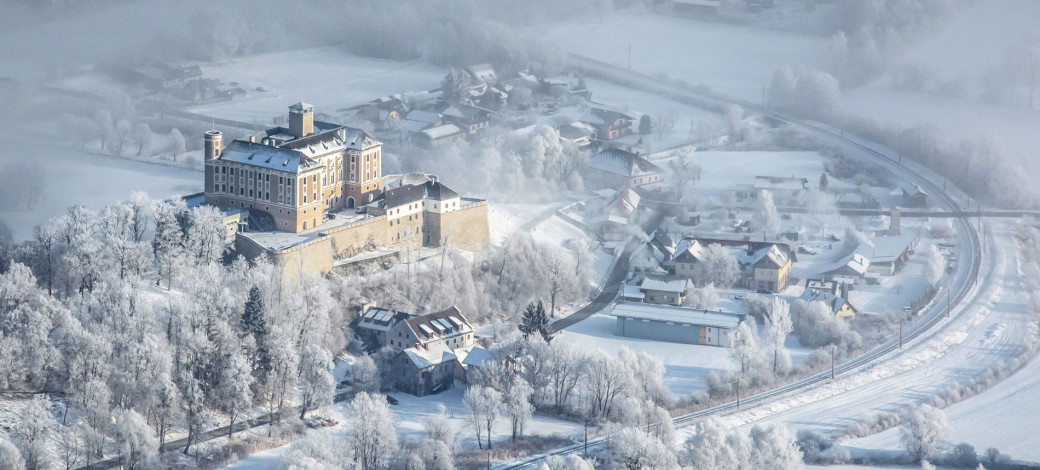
465, 229
315, 256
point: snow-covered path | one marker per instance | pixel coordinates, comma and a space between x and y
982, 332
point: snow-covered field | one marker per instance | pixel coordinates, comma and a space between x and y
723, 170
327, 77
412, 411
74, 177
729, 58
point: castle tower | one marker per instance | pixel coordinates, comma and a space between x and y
213, 146
301, 119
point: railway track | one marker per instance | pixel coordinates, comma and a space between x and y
928, 318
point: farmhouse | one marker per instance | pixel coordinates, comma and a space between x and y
617, 168
834, 294
657, 289
674, 324
375, 323
424, 369
609, 125
852, 266
888, 254
914, 196
772, 268
618, 218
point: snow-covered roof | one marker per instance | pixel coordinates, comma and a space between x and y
427, 117
476, 356
381, 319
301, 106
855, 262
599, 116
429, 355
682, 315
631, 291
623, 163
689, 248
264, 156
886, 249
781, 183
440, 132
913, 189
483, 72
576, 130
665, 284
771, 254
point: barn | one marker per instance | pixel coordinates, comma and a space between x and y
675, 324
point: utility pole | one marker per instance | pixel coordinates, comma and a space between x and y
629, 57
738, 393
949, 287
833, 347
901, 318
586, 437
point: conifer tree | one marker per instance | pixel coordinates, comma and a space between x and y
254, 323
535, 321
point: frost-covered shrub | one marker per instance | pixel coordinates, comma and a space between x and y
964, 455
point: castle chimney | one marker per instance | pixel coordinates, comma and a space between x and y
301, 119
213, 144
426, 346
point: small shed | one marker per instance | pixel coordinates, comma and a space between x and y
675, 324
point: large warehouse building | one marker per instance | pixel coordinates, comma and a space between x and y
675, 324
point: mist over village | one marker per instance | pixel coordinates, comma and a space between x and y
542, 234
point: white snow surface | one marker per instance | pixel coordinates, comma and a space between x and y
86, 179
412, 411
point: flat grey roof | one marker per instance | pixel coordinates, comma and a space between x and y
668, 313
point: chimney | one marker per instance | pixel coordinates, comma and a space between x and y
416, 345
427, 346
213, 145
301, 119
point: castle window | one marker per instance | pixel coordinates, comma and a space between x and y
241, 191
232, 172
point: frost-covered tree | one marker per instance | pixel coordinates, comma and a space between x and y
137, 443
517, 403
774, 447
568, 462
923, 429
207, 240
235, 393
606, 379
744, 348
10, 458
778, 326
482, 405
633, 449
365, 374
371, 431
168, 242
316, 383
708, 448
32, 433
703, 298
717, 266
177, 145
646, 125
439, 427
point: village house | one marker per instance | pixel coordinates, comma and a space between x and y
675, 324
914, 197
428, 343
469, 118
424, 369
617, 168
474, 360
374, 325
384, 113
578, 133
888, 254
772, 268
848, 269
475, 85
765, 265
417, 120
609, 125
437, 136
657, 289
618, 217
834, 294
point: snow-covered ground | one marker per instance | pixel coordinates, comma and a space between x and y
729, 58
327, 77
74, 177
412, 411
724, 170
